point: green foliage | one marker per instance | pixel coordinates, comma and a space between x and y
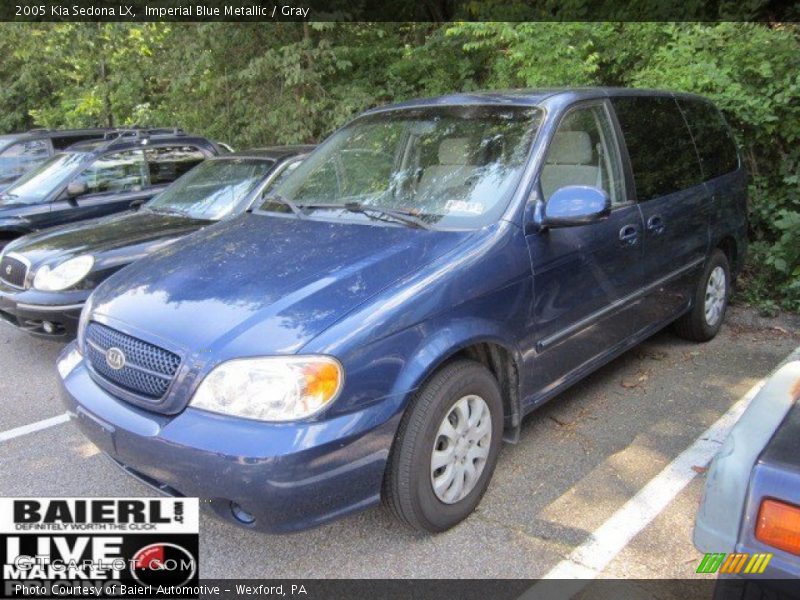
535, 54
255, 84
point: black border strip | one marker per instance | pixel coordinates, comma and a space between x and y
433, 11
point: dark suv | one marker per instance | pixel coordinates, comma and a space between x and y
21, 152
99, 177
430, 274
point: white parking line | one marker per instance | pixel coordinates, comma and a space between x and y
33, 427
589, 559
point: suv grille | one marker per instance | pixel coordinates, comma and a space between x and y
13, 271
147, 370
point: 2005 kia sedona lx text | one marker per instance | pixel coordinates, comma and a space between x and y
431, 273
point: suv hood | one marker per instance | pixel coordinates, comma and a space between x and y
261, 285
120, 238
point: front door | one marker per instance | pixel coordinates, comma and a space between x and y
585, 277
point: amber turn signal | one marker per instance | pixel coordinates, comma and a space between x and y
778, 525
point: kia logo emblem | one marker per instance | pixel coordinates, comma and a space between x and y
8, 270
115, 358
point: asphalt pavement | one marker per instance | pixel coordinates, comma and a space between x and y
580, 458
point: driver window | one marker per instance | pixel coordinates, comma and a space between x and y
584, 151
120, 172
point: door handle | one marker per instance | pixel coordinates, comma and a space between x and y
629, 235
655, 224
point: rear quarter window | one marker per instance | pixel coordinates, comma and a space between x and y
659, 144
167, 163
715, 144
60, 143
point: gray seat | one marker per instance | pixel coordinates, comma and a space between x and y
453, 169
569, 162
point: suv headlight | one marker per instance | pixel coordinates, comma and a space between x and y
279, 388
63, 276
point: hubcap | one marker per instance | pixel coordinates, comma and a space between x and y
460, 449
716, 290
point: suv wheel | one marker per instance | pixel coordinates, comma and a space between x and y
446, 448
703, 322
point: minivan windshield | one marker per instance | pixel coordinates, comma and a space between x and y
444, 166
34, 186
213, 189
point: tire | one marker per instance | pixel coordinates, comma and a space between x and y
695, 324
408, 487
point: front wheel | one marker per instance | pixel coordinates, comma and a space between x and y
446, 448
704, 321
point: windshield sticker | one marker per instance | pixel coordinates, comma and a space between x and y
463, 206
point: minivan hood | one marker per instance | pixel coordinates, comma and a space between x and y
117, 236
261, 285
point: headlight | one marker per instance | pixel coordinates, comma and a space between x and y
280, 388
64, 275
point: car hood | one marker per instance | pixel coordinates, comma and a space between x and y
261, 285
116, 238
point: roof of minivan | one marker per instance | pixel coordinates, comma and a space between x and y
270, 152
528, 97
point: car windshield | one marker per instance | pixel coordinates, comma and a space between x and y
36, 185
449, 166
213, 189
20, 157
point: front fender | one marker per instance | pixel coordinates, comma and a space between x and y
447, 340
390, 345
397, 364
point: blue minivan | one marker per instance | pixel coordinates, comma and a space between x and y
432, 273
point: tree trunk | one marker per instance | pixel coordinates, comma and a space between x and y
107, 108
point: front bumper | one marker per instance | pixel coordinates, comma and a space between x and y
41, 314
286, 476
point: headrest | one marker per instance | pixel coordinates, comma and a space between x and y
454, 151
570, 148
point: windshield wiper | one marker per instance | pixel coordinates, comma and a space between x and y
296, 209
406, 217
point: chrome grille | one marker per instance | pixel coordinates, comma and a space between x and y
13, 271
148, 369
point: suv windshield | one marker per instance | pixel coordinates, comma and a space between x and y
36, 185
450, 166
21, 157
213, 189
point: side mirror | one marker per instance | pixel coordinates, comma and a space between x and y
576, 205
76, 188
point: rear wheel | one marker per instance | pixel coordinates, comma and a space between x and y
704, 321
446, 448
